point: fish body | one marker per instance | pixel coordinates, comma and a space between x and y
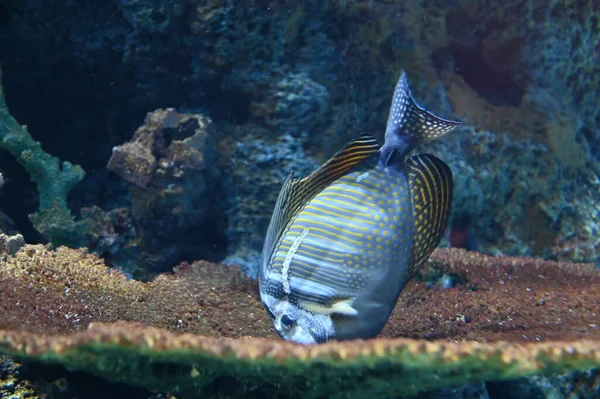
343, 241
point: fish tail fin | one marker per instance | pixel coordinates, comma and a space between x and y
409, 125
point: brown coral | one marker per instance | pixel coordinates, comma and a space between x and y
513, 299
59, 291
488, 327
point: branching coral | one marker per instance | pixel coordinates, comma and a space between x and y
53, 179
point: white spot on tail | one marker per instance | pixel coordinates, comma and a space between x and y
285, 268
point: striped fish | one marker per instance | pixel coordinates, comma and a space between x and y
343, 241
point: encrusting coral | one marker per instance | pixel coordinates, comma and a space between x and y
202, 327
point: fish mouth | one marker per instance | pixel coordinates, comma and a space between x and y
302, 336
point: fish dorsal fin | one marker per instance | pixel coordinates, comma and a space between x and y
295, 193
412, 124
279, 219
430, 182
350, 155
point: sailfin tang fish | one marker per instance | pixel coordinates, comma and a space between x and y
343, 241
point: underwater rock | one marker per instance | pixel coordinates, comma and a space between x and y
171, 165
155, 18
527, 127
294, 106
507, 58
11, 383
108, 232
505, 318
258, 165
24, 380
576, 384
533, 208
480, 68
11, 244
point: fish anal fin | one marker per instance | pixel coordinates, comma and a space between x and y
342, 307
430, 182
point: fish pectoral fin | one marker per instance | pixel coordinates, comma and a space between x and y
343, 307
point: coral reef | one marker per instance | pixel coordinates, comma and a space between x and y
171, 165
196, 366
104, 232
284, 85
189, 331
268, 87
523, 74
533, 208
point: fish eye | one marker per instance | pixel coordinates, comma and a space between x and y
287, 321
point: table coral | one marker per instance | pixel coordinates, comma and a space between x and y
65, 290
191, 330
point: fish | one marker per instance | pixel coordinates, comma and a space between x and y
343, 241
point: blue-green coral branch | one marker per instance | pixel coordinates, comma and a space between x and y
53, 179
